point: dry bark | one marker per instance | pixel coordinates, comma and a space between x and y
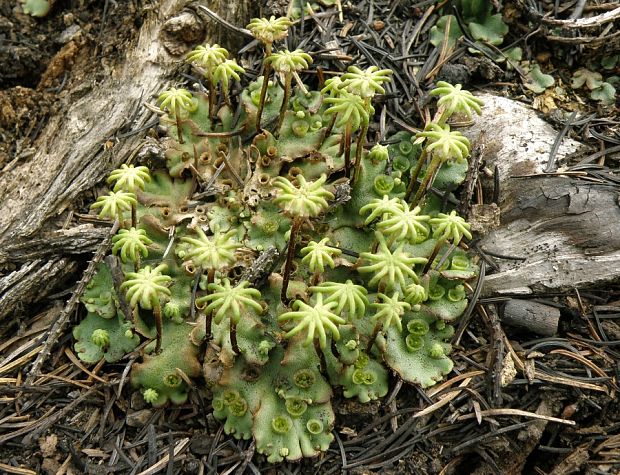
89, 136
563, 231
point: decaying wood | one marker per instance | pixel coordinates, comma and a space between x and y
101, 123
51, 336
532, 316
81, 239
558, 231
37, 278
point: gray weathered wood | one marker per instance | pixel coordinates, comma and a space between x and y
563, 231
70, 158
532, 316
37, 279
81, 239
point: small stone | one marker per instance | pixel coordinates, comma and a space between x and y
200, 444
378, 25
139, 418
137, 401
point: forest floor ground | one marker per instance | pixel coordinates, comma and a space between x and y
522, 404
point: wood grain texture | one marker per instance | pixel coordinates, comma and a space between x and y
103, 102
564, 230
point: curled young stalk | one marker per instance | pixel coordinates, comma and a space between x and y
288, 64
114, 204
447, 227
347, 296
224, 73
132, 244
147, 288
177, 101
404, 224
390, 268
267, 31
303, 202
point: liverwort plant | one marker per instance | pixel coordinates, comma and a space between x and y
318, 319
353, 112
190, 217
210, 57
289, 64
177, 101
131, 179
228, 300
147, 288
454, 99
212, 254
267, 31
301, 203
445, 145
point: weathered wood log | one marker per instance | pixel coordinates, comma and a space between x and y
81, 239
558, 231
100, 124
532, 316
35, 279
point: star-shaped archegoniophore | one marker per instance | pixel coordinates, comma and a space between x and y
455, 99
114, 203
351, 109
382, 208
444, 144
176, 100
391, 311
319, 319
319, 254
147, 286
289, 61
450, 226
347, 296
129, 178
132, 243
379, 153
404, 224
227, 71
226, 299
365, 83
390, 268
307, 200
216, 252
208, 56
333, 87
269, 30
415, 294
